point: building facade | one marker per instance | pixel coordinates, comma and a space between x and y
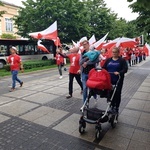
6, 22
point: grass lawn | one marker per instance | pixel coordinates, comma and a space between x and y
3, 72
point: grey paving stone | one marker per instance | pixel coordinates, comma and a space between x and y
57, 90
144, 89
142, 96
132, 113
136, 104
50, 118
40, 97
17, 107
38, 87
3, 118
120, 130
147, 106
128, 120
36, 113
141, 136
70, 126
144, 121
117, 143
147, 80
145, 84
137, 145
20, 93
4, 100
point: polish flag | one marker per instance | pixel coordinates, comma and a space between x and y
49, 33
57, 41
146, 49
75, 44
42, 47
92, 40
98, 45
111, 43
126, 42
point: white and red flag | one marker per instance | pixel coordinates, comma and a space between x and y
42, 47
98, 45
49, 33
111, 43
57, 41
146, 49
126, 42
92, 40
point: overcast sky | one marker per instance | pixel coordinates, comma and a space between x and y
118, 6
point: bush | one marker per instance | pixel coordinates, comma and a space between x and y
33, 64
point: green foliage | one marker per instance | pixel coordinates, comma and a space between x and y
143, 21
1, 12
33, 64
143, 3
75, 19
8, 36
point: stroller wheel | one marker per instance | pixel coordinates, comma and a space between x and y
81, 129
114, 120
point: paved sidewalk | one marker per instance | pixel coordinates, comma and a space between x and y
39, 117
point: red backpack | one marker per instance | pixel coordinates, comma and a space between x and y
99, 79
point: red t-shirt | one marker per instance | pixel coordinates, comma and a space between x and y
59, 59
14, 61
74, 62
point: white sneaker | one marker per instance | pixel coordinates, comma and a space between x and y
60, 77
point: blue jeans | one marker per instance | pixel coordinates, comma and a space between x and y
60, 69
14, 78
85, 89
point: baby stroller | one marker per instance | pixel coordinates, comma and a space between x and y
99, 83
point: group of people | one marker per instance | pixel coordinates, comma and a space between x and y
80, 67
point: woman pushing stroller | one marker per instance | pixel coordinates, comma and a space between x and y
116, 65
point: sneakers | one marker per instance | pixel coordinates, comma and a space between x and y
113, 110
65, 69
69, 96
60, 77
12, 89
21, 84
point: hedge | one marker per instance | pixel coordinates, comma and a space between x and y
34, 64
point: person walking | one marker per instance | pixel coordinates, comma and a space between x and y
86, 66
15, 65
117, 66
74, 70
59, 61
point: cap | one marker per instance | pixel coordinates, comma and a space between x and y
83, 39
14, 48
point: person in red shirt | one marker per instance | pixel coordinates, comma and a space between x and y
15, 64
59, 61
74, 70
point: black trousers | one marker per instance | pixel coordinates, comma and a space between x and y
117, 96
78, 79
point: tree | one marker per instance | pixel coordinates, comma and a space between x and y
70, 14
75, 19
143, 21
1, 12
100, 18
144, 3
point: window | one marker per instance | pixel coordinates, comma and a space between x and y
9, 24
